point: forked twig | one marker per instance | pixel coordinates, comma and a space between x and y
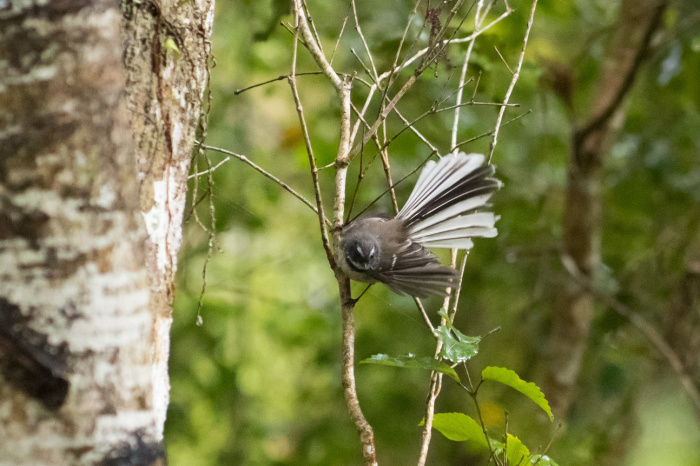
262, 171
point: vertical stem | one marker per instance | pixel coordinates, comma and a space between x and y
343, 88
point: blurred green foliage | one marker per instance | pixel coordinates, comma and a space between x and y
258, 383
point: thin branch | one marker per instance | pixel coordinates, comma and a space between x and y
408, 125
432, 51
462, 40
463, 75
364, 42
420, 306
381, 150
312, 25
514, 80
427, 433
503, 59
340, 34
265, 173
309, 149
374, 87
385, 112
209, 170
394, 185
489, 133
411, 126
473, 395
432, 111
278, 78
387, 174
435, 386
313, 47
645, 327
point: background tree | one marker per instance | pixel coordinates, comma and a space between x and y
86, 290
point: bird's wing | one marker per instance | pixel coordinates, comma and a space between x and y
414, 270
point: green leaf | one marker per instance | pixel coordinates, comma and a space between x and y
510, 378
459, 427
542, 460
518, 453
412, 362
171, 45
457, 349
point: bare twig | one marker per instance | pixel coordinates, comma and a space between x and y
309, 149
420, 306
374, 74
265, 173
278, 78
394, 185
340, 34
514, 80
473, 394
374, 87
462, 40
209, 170
489, 133
503, 59
463, 75
429, 54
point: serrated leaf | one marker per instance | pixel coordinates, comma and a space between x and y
510, 378
459, 427
518, 454
458, 348
542, 460
412, 362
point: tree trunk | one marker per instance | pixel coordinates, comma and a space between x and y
85, 289
638, 21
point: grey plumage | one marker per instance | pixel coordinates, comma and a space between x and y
443, 211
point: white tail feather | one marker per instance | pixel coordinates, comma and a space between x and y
459, 243
440, 176
452, 211
452, 226
477, 220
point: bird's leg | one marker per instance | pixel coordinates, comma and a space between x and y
354, 301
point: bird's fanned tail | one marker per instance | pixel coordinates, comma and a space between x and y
445, 208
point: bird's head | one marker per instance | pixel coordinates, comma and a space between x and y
362, 252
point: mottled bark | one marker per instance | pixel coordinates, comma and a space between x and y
167, 53
83, 337
638, 21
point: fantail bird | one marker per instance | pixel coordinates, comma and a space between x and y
445, 210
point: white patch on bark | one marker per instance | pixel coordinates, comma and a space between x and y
157, 221
161, 381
